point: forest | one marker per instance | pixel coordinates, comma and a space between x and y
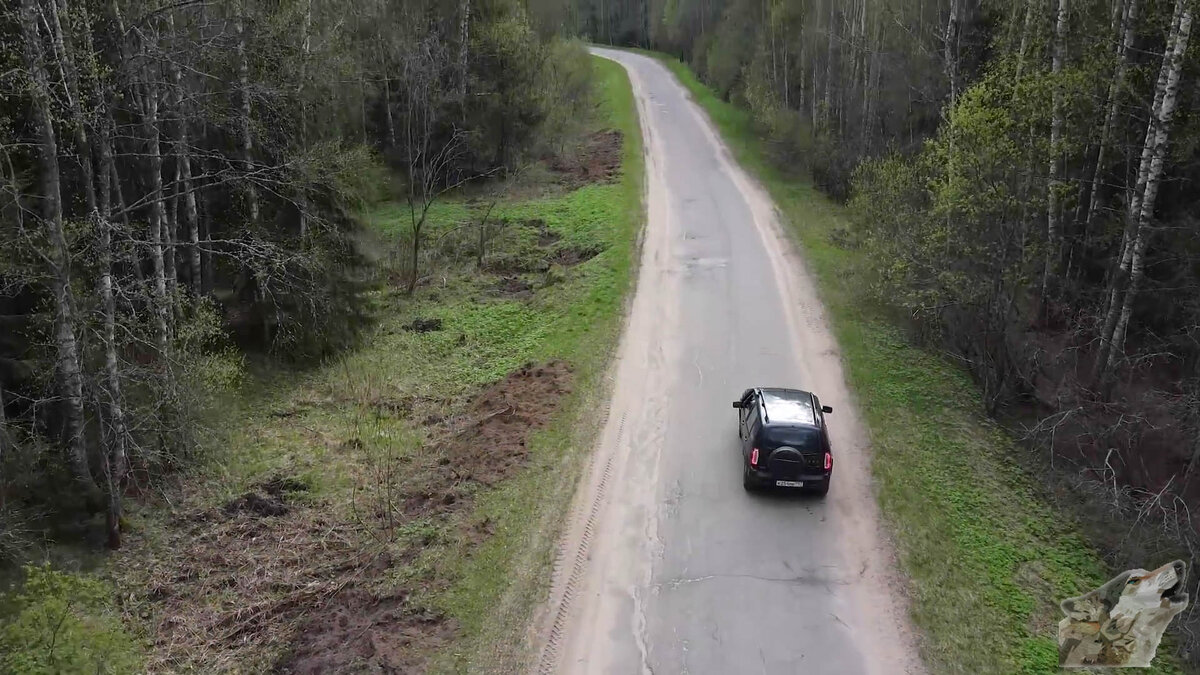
1021, 178
183, 189
206, 207
179, 190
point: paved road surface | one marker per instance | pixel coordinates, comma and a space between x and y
670, 567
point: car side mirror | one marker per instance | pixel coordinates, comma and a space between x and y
826, 409
737, 404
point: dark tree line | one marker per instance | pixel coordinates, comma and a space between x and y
179, 182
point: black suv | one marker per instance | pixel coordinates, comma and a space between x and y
784, 440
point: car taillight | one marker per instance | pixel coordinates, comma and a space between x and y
754, 457
828, 461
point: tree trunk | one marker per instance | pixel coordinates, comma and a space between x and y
1121, 273
786, 85
951, 49
71, 80
247, 140
170, 235
828, 97
207, 282
1153, 159
116, 463
464, 46
387, 108
302, 196
158, 218
1025, 29
813, 100
68, 363
183, 157
1053, 210
5, 443
416, 250
1128, 19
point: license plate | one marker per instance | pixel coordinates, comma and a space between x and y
789, 483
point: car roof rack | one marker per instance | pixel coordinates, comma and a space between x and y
763, 405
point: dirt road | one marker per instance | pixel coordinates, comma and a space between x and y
669, 566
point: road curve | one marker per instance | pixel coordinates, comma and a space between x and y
668, 565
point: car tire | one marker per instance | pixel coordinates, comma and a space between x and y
824, 488
748, 481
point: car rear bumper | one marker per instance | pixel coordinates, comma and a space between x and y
766, 478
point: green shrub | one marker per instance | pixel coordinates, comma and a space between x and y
64, 623
569, 81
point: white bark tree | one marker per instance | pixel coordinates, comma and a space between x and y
1112, 103
1149, 177
1053, 208
67, 364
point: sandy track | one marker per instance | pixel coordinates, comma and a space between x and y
668, 566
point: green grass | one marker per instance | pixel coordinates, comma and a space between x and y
499, 584
987, 558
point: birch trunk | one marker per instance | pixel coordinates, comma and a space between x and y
170, 235
116, 434
1121, 274
1025, 28
829, 64
387, 108
786, 85
951, 50
769, 20
1053, 210
464, 46
246, 139
4, 442
71, 80
816, 95
68, 368
873, 88
1153, 160
157, 208
302, 197
183, 158
1128, 18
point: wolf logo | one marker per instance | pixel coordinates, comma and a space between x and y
1122, 622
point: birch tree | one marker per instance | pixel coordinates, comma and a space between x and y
1053, 208
59, 258
1150, 175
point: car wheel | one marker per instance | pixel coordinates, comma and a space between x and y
748, 481
824, 488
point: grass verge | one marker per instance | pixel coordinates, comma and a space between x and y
499, 585
397, 508
986, 557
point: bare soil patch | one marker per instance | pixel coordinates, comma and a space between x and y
423, 325
360, 632
491, 444
229, 584
598, 161
569, 256
514, 287
488, 442
274, 579
546, 236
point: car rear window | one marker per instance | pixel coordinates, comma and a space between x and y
801, 438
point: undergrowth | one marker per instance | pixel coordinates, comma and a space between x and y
382, 521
